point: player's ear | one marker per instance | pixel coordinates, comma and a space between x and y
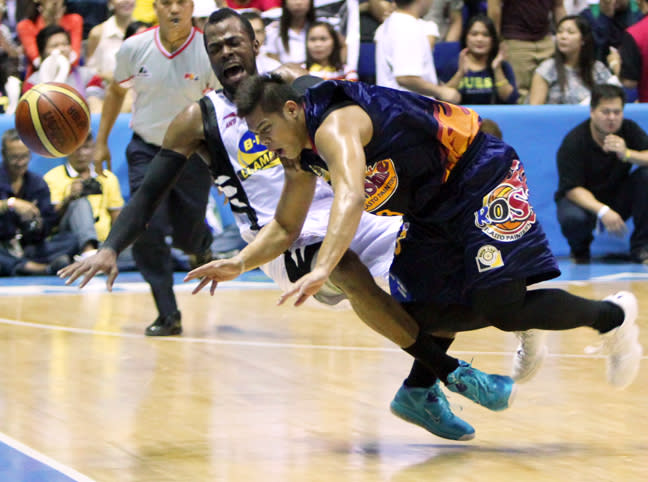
290, 109
255, 47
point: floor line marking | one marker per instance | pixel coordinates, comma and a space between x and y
44, 459
261, 344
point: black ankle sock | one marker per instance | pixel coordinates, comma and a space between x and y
610, 316
430, 351
422, 377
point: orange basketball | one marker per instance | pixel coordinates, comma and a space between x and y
52, 119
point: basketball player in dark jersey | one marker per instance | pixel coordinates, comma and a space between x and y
470, 235
231, 47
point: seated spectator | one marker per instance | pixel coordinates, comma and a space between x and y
201, 12
483, 76
403, 55
48, 12
597, 184
54, 46
372, 14
263, 61
87, 204
608, 20
634, 52
93, 12
27, 217
260, 5
448, 17
324, 53
10, 56
105, 39
286, 38
569, 76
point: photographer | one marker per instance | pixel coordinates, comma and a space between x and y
86, 203
27, 217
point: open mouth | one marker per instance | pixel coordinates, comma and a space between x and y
233, 71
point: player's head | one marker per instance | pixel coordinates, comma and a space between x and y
606, 108
81, 159
51, 38
15, 154
232, 48
273, 111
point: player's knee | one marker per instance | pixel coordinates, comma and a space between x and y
501, 304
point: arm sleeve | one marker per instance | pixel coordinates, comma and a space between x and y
162, 174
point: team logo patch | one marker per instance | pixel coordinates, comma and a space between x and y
143, 71
254, 156
506, 214
381, 181
488, 257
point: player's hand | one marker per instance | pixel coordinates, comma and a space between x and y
215, 272
305, 286
101, 153
614, 223
103, 261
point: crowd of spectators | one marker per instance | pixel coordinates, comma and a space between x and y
493, 51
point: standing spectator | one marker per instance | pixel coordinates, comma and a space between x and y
286, 38
168, 68
55, 50
448, 16
48, 12
608, 20
483, 76
27, 217
105, 39
525, 30
263, 61
86, 203
597, 185
569, 76
324, 53
93, 12
403, 55
634, 53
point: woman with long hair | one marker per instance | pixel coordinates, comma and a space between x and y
324, 53
286, 38
483, 76
568, 77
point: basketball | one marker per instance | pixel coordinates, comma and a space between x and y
52, 119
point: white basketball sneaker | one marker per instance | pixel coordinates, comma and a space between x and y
621, 345
529, 356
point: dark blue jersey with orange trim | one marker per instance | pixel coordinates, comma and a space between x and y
416, 143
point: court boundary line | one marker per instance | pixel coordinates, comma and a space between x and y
260, 344
44, 459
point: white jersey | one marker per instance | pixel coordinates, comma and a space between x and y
402, 48
253, 180
164, 82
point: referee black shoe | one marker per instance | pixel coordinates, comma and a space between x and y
165, 325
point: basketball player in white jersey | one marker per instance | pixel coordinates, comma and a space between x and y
251, 177
167, 68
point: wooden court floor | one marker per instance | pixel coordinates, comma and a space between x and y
255, 392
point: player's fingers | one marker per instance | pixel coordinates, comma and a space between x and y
203, 282
199, 272
213, 287
287, 294
76, 272
111, 278
301, 299
89, 275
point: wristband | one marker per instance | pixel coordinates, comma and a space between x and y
501, 83
626, 155
11, 202
603, 211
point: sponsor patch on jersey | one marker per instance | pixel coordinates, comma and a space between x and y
254, 156
381, 182
143, 71
506, 214
191, 76
488, 257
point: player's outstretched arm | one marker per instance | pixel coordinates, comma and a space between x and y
340, 141
184, 135
273, 239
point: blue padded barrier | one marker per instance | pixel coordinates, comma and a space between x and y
535, 131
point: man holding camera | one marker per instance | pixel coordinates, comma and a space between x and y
87, 204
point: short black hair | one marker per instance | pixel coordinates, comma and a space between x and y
44, 35
269, 91
223, 14
134, 26
606, 91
